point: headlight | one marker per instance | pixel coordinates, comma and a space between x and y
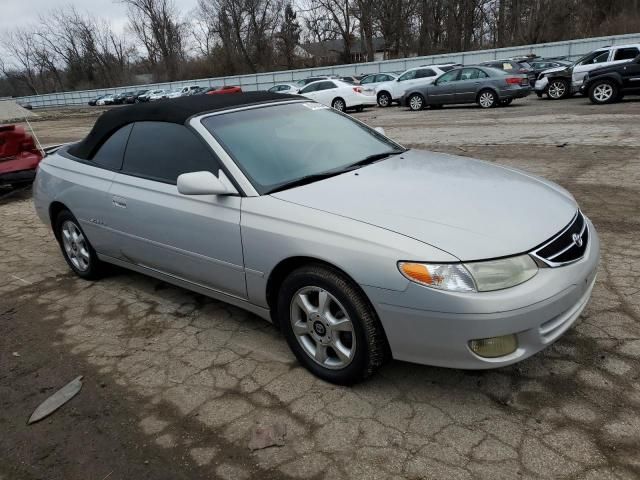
471, 277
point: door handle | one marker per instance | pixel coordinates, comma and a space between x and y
119, 202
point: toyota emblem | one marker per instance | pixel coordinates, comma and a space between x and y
577, 239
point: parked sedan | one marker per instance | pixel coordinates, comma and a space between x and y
392, 91
157, 95
134, 97
94, 100
120, 98
285, 88
488, 87
357, 248
106, 100
338, 94
513, 67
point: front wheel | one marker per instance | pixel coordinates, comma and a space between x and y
487, 99
76, 249
330, 326
603, 91
416, 102
557, 89
339, 104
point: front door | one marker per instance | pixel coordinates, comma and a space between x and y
443, 89
467, 86
191, 237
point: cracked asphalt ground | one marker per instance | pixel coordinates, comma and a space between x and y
175, 382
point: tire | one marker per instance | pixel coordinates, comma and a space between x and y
384, 99
84, 264
603, 91
558, 89
539, 94
415, 102
315, 340
506, 102
487, 99
339, 104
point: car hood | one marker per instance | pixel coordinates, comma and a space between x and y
556, 69
469, 208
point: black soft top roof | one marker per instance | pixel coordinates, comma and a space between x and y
177, 110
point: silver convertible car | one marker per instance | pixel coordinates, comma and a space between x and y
358, 249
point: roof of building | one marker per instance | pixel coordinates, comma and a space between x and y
177, 110
323, 49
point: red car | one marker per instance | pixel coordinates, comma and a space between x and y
221, 90
19, 156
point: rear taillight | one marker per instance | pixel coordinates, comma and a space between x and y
357, 89
514, 80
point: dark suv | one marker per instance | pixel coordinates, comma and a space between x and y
612, 83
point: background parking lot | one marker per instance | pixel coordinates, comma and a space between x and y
175, 382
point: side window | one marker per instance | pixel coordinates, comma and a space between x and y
326, 85
161, 151
449, 77
600, 58
111, 153
411, 74
383, 78
470, 74
274, 89
310, 88
626, 54
368, 79
425, 73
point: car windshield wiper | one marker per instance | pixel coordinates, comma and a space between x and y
332, 173
374, 158
304, 180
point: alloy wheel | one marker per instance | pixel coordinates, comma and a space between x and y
603, 92
415, 102
322, 327
384, 100
339, 105
487, 100
557, 90
75, 246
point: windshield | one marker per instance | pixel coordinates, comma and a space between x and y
593, 57
278, 145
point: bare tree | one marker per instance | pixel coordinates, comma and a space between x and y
157, 25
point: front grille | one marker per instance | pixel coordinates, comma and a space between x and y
566, 247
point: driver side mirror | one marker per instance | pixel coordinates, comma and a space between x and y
205, 183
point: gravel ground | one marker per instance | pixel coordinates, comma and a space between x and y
175, 382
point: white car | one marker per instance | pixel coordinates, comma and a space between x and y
389, 92
285, 88
189, 90
602, 57
157, 95
106, 100
370, 82
174, 93
338, 94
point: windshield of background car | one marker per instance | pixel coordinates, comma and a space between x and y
593, 57
279, 144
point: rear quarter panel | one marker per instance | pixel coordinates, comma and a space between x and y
81, 188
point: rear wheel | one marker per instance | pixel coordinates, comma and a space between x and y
603, 91
76, 249
329, 325
384, 99
339, 104
557, 89
415, 102
487, 99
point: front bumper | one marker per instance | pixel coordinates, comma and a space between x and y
541, 85
433, 327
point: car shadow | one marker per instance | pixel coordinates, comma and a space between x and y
9, 194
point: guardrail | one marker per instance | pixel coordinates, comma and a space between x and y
262, 81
